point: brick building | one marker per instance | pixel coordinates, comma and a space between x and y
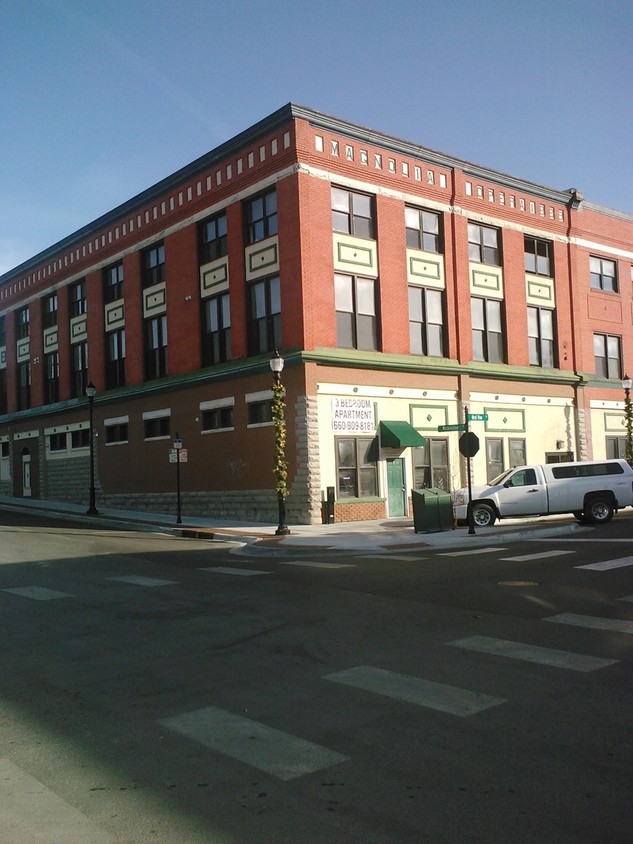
401, 286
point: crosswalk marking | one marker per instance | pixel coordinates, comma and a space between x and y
524, 558
38, 593
30, 812
532, 653
470, 551
605, 565
626, 598
314, 565
139, 580
449, 699
280, 754
234, 570
398, 557
616, 625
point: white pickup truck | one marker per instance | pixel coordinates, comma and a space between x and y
591, 490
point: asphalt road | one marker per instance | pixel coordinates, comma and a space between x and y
160, 689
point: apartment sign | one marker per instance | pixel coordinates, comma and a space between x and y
353, 416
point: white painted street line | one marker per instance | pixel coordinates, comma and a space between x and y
543, 555
38, 593
238, 572
450, 699
532, 653
605, 565
139, 580
398, 557
277, 753
470, 551
314, 565
30, 813
615, 625
627, 598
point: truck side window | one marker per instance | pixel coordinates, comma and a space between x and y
525, 477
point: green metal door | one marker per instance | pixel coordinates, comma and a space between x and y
395, 487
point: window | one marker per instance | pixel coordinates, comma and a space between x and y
116, 433
483, 245
426, 321
261, 217
487, 330
153, 265
51, 377
155, 347
80, 439
494, 457
352, 213
22, 323
5, 463
24, 386
3, 391
79, 369
541, 337
356, 322
264, 316
49, 311
113, 283
607, 350
3, 331
216, 329
357, 470
57, 442
603, 274
115, 359
587, 470
77, 298
212, 238
430, 465
423, 229
518, 452
616, 448
559, 456
524, 477
218, 418
260, 412
538, 256
156, 427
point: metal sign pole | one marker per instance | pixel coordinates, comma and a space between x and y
178, 514
469, 510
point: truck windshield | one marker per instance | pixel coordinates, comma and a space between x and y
500, 478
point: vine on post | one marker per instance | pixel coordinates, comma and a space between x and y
280, 470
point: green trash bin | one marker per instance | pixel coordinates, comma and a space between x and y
432, 510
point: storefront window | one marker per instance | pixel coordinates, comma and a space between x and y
357, 470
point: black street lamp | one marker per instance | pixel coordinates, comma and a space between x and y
628, 418
91, 392
280, 470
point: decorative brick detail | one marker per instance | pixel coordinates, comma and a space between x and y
359, 511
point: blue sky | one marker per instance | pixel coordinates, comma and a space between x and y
100, 100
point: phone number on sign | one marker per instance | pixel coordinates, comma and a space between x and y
352, 425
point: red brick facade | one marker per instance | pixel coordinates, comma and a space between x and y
300, 155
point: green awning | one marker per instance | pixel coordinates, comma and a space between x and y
399, 435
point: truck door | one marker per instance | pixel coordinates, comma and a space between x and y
522, 495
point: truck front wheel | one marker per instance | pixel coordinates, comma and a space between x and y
599, 510
484, 515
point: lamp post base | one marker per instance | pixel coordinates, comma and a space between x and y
282, 529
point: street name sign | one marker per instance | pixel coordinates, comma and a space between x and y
460, 426
477, 417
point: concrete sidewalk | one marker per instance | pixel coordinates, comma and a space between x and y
388, 536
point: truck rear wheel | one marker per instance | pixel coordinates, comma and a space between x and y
599, 510
484, 515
